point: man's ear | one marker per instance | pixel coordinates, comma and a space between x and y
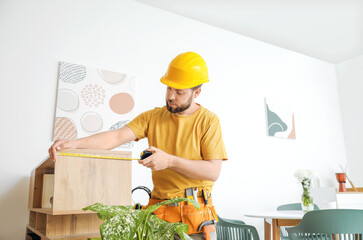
197, 92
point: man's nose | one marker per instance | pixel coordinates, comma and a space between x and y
171, 96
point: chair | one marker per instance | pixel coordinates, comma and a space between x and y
287, 207
293, 206
230, 229
344, 224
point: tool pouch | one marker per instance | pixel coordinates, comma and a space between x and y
172, 214
185, 213
193, 217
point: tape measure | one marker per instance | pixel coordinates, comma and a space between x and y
143, 155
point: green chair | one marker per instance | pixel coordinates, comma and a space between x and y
231, 229
344, 224
293, 206
287, 207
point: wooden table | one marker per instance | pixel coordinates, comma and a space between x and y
277, 219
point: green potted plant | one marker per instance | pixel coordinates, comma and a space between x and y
126, 223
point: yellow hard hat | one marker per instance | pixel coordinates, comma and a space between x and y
187, 70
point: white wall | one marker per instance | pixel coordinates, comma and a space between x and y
130, 37
350, 79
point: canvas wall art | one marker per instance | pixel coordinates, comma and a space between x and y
280, 118
91, 100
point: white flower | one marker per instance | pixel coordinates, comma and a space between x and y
304, 173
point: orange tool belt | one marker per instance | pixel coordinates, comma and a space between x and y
188, 214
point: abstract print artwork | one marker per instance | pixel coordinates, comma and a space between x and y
280, 118
91, 100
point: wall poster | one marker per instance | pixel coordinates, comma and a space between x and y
280, 118
91, 100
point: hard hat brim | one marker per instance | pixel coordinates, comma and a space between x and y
177, 85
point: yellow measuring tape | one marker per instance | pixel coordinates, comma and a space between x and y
94, 156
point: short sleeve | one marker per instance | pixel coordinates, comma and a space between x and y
212, 145
139, 125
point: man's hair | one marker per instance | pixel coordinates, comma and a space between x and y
196, 87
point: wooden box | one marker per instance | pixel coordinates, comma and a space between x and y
77, 182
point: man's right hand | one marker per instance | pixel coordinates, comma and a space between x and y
58, 146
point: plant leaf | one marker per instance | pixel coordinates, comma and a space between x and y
126, 223
185, 236
153, 208
141, 223
154, 222
106, 212
166, 230
150, 233
121, 227
182, 231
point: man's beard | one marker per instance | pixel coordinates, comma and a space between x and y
179, 109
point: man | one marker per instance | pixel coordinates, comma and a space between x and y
185, 139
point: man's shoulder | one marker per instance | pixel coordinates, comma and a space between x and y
155, 111
208, 116
207, 113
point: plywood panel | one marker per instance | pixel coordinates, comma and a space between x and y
40, 222
37, 185
78, 182
32, 218
48, 189
67, 237
67, 225
59, 212
31, 190
33, 230
81, 181
38, 189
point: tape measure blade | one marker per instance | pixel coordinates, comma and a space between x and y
93, 156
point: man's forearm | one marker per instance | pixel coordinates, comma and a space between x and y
103, 140
198, 169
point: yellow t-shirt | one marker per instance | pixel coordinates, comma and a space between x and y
195, 137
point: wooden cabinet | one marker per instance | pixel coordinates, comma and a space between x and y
74, 183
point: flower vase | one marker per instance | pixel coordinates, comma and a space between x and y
307, 203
